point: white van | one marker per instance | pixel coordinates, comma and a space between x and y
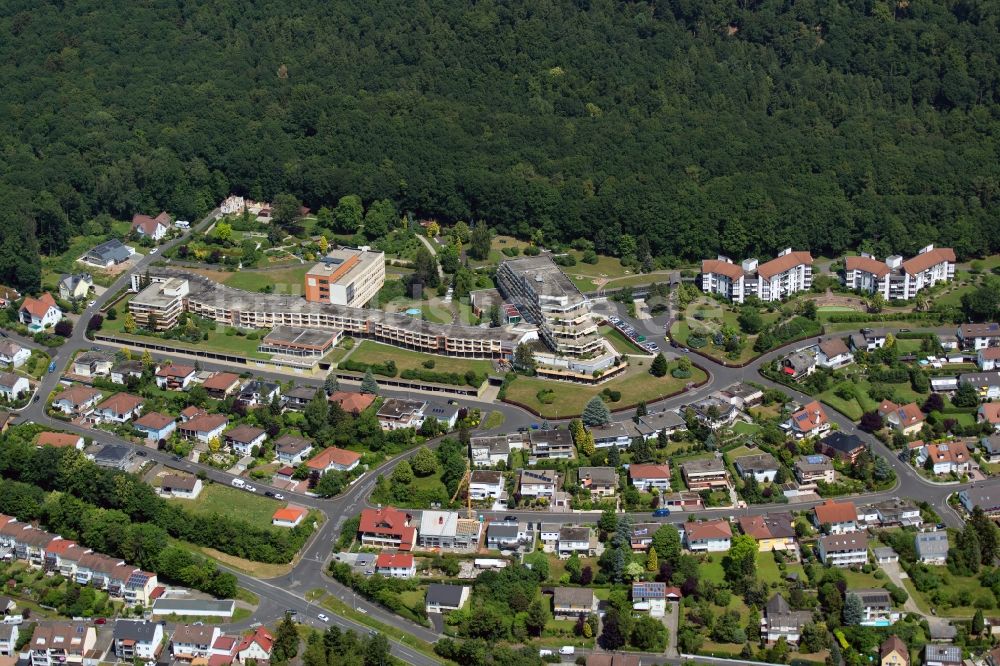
239, 483
13, 619
567, 650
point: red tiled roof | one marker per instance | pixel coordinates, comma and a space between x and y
708, 529
719, 267
191, 412
57, 439
244, 433
148, 224
955, 453
289, 514
836, 512
809, 417
388, 521
261, 637
175, 370
922, 262
910, 414
120, 403
154, 421
781, 264
649, 471
204, 423
990, 412
394, 561
991, 353
352, 402
221, 381
834, 347
224, 642
333, 455
37, 307
866, 264
60, 546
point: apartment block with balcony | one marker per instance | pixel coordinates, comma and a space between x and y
790, 272
899, 279
347, 277
159, 305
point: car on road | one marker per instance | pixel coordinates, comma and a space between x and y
361, 610
323, 617
101, 620
545, 653
661, 513
567, 650
178, 459
141, 454
153, 251
535, 426
238, 483
866, 331
279, 496
904, 330
268, 493
250, 489
291, 611
91, 304
36, 398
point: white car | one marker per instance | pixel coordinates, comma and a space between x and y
279, 496
323, 617
361, 610
544, 653
91, 304
567, 649
153, 251
250, 489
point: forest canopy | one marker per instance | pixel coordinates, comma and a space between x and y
740, 126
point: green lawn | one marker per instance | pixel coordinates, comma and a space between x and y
859, 580
745, 428
954, 585
711, 318
373, 352
216, 498
621, 344
217, 339
711, 569
636, 385
768, 572
285, 281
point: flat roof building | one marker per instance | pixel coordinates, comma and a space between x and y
346, 277
295, 341
159, 305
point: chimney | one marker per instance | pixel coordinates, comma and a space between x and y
440, 520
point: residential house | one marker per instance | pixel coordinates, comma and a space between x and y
396, 413
122, 371
709, 536
893, 652
987, 384
833, 354
395, 565
651, 425
611, 434
6, 419
986, 499
39, 313
974, 337
290, 516
810, 421
259, 392
780, 621
569, 603
109, 253
151, 227
442, 598
292, 450
600, 481
647, 477
682, 501
61, 643
743, 396
297, 398
75, 287
551, 444
387, 527
60, 440
898, 512
538, 483
93, 364
867, 342
352, 403
942, 655
137, 640
762, 466
191, 412
650, 596
506, 535
988, 358
446, 530
713, 411
946, 457
221, 385
907, 419
989, 447
989, 413
174, 376
843, 550
445, 415
841, 446
576, 540
932, 547
492, 450
204, 427
244, 438
485, 485
256, 646
115, 456
616, 659
181, 486
333, 459
13, 387
13, 354
9, 635
119, 408
799, 364
840, 517
877, 607
193, 641
706, 474
8, 296
642, 535
155, 426
772, 531
811, 469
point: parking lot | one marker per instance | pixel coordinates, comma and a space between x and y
629, 332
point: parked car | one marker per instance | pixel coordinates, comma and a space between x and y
661, 513
567, 649
323, 617
279, 496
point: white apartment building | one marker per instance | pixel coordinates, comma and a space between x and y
788, 273
897, 279
159, 304
843, 550
346, 277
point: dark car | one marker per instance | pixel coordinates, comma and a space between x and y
178, 459
268, 493
510, 519
661, 513
141, 454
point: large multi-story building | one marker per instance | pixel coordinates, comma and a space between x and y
346, 277
159, 305
549, 299
242, 309
788, 273
897, 279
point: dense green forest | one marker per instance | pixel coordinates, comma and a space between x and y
700, 125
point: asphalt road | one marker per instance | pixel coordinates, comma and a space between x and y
289, 592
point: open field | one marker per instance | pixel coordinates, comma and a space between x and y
217, 339
373, 352
636, 385
284, 281
241, 505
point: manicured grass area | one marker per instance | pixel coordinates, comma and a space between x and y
373, 352
621, 344
241, 505
217, 341
711, 569
856, 326
861, 580
284, 281
636, 385
768, 572
745, 428
834, 308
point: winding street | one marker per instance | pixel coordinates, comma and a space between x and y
290, 591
